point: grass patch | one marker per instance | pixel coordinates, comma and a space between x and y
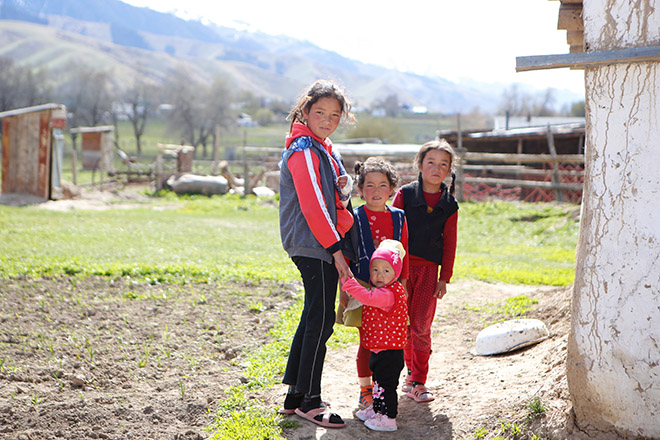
205, 239
511, 308
519, 243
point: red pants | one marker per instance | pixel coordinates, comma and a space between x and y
421, 285
362, 359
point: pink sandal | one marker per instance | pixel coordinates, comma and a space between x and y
419, 393
407, 384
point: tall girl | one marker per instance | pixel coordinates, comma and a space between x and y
313, 222
432, 215
376, 221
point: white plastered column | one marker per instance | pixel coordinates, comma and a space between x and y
614, 348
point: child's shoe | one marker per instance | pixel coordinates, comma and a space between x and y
419, 393
365, 414
407, 384
366, 396
380, 422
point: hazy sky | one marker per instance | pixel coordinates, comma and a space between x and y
453, 39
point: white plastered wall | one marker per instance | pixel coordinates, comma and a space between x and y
614, 346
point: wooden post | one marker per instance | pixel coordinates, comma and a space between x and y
556, 180
159, 171
246, 167
74, 165
216, 148
519, 149
74, 160
460, 153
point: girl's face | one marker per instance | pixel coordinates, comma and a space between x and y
381, 272
376, 190
323, 117
434, 168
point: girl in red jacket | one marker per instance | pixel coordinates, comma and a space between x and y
313, 222
432, 215
384, 323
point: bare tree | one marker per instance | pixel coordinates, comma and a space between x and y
21, 86
87, 98
184, 95
518, 103
391, 105
139, 104
197, 108
218, 108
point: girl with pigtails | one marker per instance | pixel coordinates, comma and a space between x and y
432, 214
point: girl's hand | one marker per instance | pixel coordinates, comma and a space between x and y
343, 296
340, 263
440, 289
342, 180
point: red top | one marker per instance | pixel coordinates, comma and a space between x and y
384, 314
304, 168
382, 228
449, 236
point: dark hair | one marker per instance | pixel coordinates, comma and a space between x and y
320, 89
440, 145
375, 165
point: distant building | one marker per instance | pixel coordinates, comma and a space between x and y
504, 123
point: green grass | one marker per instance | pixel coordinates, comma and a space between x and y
226, 237
518, 243
204, 239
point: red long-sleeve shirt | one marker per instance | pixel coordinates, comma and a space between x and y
382, 228
449, 237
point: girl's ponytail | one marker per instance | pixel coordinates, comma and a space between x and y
452, 188
358, 168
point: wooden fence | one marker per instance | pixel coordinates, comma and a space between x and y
479, 176
526, 177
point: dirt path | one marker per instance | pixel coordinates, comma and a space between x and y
471, 391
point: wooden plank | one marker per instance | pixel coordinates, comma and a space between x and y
6, 152
36, 108
43, 177
515, 169
570, 17
522, 158
589, 59
575, 38
524, 183
555, 170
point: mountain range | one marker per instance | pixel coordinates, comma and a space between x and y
129, 41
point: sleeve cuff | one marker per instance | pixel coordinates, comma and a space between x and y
334, 248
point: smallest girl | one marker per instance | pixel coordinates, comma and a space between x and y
384, 323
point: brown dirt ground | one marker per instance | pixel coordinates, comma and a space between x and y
115, 359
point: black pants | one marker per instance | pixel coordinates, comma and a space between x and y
386, 366
305, 364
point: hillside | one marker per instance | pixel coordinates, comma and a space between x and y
130, 41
